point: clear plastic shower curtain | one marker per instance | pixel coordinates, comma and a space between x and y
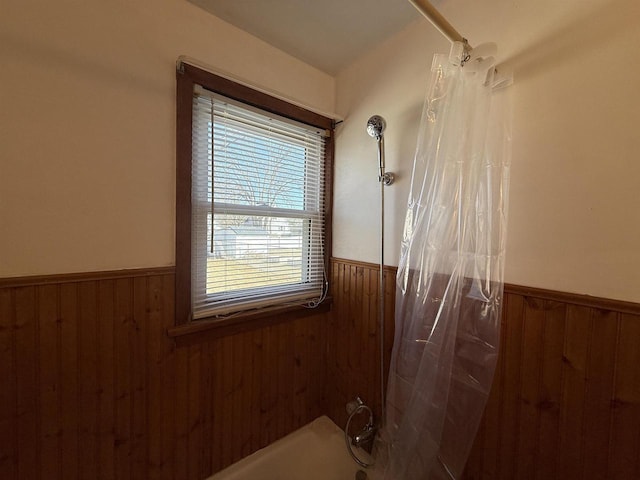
450, 277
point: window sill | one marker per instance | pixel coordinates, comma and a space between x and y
204, 330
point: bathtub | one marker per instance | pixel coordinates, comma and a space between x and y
317, 451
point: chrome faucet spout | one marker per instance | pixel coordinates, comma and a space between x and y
365, 435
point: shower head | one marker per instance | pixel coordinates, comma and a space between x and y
375, 126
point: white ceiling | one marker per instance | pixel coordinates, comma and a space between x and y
328, 34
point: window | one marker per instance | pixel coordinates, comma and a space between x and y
252, 200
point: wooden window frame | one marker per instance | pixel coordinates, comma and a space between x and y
187, 77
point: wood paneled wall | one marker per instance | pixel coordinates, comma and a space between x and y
353, 336
92, 387
566, 397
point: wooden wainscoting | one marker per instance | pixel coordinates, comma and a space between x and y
93, 388
353, 335
566, 397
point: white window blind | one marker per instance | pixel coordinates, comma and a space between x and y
258, 208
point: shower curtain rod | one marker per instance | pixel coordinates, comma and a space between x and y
438, 21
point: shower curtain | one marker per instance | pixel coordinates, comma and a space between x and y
450, 276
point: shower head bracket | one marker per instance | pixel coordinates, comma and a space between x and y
387, 178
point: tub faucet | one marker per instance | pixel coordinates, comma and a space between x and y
365, 436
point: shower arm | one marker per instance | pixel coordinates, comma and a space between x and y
375, 128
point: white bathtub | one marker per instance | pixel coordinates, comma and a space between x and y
317, 451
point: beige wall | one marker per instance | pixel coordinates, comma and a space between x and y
575, 207
87, 125
87, 132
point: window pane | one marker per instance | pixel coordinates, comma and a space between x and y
257, 206
257, 169
254, 251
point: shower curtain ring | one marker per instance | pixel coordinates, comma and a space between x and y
466, 52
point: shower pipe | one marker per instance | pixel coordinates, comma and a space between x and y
375, 128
